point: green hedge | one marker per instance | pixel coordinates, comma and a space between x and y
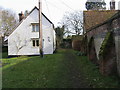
5, 49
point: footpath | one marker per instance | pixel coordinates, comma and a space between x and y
75, 77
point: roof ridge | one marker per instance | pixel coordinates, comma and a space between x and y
26, 17
108, 20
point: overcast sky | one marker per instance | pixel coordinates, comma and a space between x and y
53, 9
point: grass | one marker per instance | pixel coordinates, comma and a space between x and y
52, 71
8, 62
36, 73
4, 55
4, 52
92, 74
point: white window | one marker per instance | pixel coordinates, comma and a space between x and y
35, 42
35, 27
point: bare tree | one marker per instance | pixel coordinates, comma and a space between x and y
8, 21
73, 22
20, 43
0, 21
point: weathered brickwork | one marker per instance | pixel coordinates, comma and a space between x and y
76, 44
95, 17
99, 32
117, 47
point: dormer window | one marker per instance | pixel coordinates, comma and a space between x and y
35, 27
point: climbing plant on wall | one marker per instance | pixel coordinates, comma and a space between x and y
107, 56
107, 43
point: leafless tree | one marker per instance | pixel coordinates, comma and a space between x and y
8, 21
20, 42
73, 22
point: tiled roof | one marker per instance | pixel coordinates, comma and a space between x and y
93, 18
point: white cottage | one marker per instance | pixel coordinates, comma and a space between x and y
24, 40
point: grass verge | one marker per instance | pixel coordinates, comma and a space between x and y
52, 72
36, 72
93, 76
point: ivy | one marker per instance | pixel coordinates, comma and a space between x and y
107, 43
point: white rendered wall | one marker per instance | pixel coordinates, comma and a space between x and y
20, 41
54, 39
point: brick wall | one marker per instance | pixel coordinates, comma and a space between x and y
99, 32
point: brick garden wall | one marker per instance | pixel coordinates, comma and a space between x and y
99, 32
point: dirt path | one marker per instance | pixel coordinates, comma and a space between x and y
75, 77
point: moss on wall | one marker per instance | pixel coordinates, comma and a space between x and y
107, 56
107, 43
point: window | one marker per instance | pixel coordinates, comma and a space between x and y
35, 42
35, 27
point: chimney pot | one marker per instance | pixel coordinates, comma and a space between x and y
21, 16
112, 5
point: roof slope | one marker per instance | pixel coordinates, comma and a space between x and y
42, 14
93, 18
115, 16
27, 16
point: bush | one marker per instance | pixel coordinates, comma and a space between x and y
4, 49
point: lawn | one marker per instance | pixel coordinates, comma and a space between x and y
60, 70
35, 72
96, 80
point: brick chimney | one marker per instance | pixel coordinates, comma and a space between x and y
21, 16
112, 5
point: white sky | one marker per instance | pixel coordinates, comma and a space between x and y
53, 9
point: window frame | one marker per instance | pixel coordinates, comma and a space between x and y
35, 42
35, 27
